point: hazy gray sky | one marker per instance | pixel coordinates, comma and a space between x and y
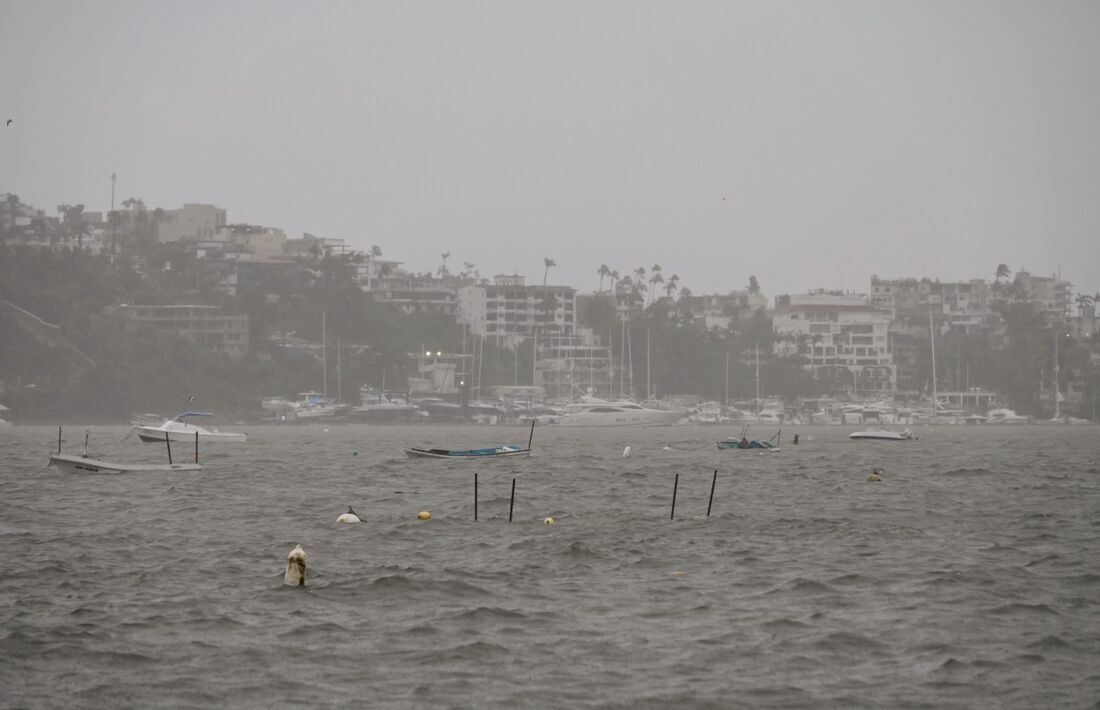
809, 143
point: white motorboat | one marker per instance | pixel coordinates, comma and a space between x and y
882, 434
378, 406
592, 411
177, 429
314, 405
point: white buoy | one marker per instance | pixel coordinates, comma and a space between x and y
295, 568
349, 517
626, 453
548, 521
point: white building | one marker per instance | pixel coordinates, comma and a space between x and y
192, 221
845, 338
509, 307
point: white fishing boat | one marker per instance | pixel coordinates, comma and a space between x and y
178, 429
83, 464
592, 411
883, 434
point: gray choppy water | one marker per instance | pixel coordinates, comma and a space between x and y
968, 577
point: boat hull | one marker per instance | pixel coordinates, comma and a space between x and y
477, 454
154, 435
82, 464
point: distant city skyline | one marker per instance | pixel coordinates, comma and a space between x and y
810, 145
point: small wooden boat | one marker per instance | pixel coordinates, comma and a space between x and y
83, 464
492, 452
488, 452
743, 443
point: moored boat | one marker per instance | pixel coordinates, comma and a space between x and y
592, 411
178, 429
882, 434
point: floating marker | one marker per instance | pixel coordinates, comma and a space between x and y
712, 482
295, 568
675, 485
626, 453
548, 520
423, 515
512, 501
475, 497
349, 517
875, 475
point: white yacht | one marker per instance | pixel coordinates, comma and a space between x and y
177, 429
592, 411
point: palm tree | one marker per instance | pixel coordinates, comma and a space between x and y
754, 285
443, 268
614, 275
998, 284
671, 284
549, 263
1083, 301
655, 279
603, 271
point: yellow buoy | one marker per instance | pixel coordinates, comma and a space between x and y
874, 476
548, 520
679, 573
423, 515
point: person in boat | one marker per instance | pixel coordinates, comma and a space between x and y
743, 444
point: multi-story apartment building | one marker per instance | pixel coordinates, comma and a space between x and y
192, 221
510, 307
415, 293
724, 311
204, 325
1050, 294
961, 306
263, 243
847, 339
568, 365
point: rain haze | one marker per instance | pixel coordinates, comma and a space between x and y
810, 144
549, 354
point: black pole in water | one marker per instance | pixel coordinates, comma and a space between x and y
196, 447
512, 502
531, 437
475, 496
85, 454
169, 445
59, 438
675, 485
712, 482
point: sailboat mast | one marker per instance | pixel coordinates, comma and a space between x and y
324, 358
1057, 404
757, 378
932, 340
